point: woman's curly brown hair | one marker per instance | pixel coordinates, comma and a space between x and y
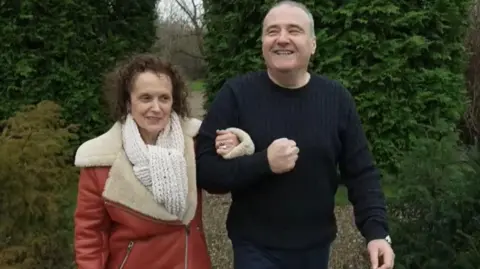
119, 82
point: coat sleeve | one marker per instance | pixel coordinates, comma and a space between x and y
245, 147
92, 223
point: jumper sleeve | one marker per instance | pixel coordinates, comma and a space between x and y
214, 173
361, 177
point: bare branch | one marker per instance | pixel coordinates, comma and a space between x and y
184, 52
194, 17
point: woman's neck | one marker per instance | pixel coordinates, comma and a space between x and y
149, 139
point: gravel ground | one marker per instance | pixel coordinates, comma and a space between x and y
347, 253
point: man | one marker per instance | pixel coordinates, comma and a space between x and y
304, 126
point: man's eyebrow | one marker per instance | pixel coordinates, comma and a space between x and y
295, 26
271, 26
291, 25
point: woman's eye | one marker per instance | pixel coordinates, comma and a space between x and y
145, 98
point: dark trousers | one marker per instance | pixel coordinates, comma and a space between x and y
247, 255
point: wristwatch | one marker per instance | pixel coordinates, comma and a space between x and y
388, 239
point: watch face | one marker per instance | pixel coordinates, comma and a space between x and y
388, 239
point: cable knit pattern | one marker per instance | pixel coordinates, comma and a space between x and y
161, 168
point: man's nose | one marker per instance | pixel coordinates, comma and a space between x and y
283, 38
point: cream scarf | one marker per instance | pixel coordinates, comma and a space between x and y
161, 168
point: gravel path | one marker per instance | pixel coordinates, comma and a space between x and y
196, 104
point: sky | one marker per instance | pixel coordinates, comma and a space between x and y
168, 7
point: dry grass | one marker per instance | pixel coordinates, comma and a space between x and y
348, 250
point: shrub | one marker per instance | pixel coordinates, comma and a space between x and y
58, 50
34, 177
403, 61
435, 212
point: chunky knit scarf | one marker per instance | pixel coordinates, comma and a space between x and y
161, 168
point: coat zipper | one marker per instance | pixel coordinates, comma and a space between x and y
187, 234
129, 249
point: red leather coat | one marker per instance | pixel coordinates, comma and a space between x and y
110, 235
119, 225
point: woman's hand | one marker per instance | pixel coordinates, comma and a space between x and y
225, 142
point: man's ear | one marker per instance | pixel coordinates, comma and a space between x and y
314, 45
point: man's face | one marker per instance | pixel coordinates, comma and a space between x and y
287, 40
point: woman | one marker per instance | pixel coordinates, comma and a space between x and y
138, 205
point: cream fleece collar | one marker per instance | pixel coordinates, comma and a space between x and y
123, 188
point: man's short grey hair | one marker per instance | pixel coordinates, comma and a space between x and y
302, 7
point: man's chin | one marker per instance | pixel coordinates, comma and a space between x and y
284, 69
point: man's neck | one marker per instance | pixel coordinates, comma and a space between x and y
290, 80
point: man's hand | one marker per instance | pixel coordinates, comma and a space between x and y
381, 254
282, 155
225, 142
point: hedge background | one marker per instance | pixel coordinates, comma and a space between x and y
59, 49
402, 60
53, 54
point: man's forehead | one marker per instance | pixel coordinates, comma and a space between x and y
285, 15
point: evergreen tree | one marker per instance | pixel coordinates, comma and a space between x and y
58, 50
403, 61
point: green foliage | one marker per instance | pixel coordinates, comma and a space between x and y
471, 125
34, 175
58, 50
232, 45
435, 212
197, 85
402, 60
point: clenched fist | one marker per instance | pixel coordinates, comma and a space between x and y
282, 155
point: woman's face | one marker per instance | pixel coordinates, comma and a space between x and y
151, 104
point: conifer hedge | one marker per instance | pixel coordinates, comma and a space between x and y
53, 54
435, 212
58, 50
403, 61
